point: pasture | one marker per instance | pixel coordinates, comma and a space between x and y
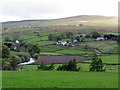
58, 79
38, 32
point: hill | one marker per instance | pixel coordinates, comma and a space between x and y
103, 23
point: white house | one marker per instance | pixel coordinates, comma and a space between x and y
75, 41
100, 39
64, 43
17, 41
61, 43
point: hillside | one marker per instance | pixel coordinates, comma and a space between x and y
63, 24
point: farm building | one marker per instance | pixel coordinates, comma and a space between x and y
64, 43
61, 43
16, 41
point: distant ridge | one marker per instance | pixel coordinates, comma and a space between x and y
78, 16
80, 22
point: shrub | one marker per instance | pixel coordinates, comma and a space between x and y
62, 68
13, 62
36, 56
71, 66
5, 51
5, 64
7, 39
45, 67
95, 34
19, 60
96, 64
33, 48
24, 56
52, 37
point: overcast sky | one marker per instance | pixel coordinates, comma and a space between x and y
12, 10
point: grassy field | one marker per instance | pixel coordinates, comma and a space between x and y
0, 79
48, 47
103, 46
56, 79
109, 59
74, 52
30, 77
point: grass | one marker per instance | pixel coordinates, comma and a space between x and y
57, 79
114, 33
49, 53
104, 46
51, 48
28, 67
74, 52
0, 79
109, 59
31, 78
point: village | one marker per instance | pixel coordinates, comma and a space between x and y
80, 38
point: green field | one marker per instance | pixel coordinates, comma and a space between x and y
56, 79
30, 77
0, 79
109, 59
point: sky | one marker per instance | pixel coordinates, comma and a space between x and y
14, 10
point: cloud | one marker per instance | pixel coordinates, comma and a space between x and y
50, 9
26, 9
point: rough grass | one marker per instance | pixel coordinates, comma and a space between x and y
106, 23
103, 46
57, 79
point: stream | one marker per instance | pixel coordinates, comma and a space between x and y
29, 62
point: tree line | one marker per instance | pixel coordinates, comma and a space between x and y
11, 60
95, 66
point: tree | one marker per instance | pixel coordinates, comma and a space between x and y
62, 68
77, 38
69, 34
82, 39
24, 56
36, 56
96, 64
7, 39
58, 38
62, 36
5, 51
118, 40
5, 64
18, 59
8, 44
95, 34
52, 37
13, 62
33, 48
51, 67
46, 67
55, 37
71, 66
